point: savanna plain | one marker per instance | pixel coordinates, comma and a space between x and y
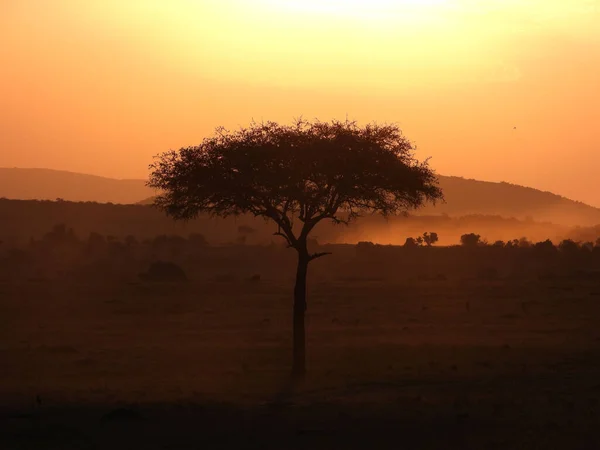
407, 348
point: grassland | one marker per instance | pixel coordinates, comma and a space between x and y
395, 360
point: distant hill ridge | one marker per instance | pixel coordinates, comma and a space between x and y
47, 184
463, 196
467, 196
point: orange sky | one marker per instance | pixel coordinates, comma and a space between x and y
100, 86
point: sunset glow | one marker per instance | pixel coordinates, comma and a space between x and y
100, 86
364, 9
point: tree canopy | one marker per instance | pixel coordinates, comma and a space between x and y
309, 171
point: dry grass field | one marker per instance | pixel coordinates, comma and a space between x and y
393, 361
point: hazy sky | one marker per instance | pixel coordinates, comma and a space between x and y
100, 86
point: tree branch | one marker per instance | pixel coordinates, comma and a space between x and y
318, 255
284, 224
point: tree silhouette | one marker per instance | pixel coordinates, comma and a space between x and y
430, 238
545, 248
470, 240
410, 243
568, 247
296, 176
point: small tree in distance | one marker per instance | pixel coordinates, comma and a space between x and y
295, 176
430, 238
410, 243
470, 240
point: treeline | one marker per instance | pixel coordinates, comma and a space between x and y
62, 253
474, 257
473, 241
21, 220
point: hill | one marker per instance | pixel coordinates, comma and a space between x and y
463, 196
467, 197
46, 184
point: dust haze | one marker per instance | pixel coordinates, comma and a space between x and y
122, 327
315, 224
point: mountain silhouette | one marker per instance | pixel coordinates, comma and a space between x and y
463, 196
467, 196
46, 184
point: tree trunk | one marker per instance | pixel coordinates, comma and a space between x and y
299, 364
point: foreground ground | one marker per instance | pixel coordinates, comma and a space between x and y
448, 363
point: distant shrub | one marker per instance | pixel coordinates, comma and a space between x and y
364, 247
512, 244
161, 271
410, 243
568, 247
525, 243
60, 234
545, 248
470, 240
587, 246
430, 238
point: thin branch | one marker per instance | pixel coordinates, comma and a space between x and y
318, 255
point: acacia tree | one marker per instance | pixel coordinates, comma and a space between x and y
296, 176
430, 238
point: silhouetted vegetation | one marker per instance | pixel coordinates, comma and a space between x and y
63, 253
306, 173
470, 240
430, 238
423, 320
32, 219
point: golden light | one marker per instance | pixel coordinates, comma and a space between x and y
360, 5
365, 9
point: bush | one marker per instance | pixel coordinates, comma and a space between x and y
410, 243
470, 240
545, 248
430, 238
568, 247
364, 247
